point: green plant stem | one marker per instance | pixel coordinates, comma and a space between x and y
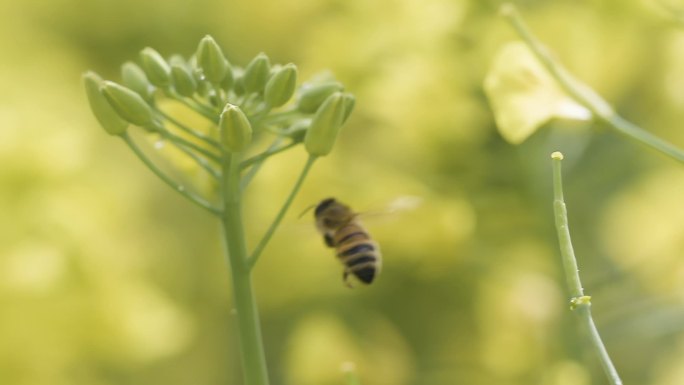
281, 214
580, 303
249, 329
584, 95
262, 156
200, 161
166, 179
196, 134
185, 143
200, 108
281, 116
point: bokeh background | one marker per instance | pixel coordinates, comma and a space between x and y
109, 278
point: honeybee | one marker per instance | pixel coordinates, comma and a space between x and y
354, 247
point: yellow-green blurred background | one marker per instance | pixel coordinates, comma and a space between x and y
107, 277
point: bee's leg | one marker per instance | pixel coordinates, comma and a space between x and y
345, 278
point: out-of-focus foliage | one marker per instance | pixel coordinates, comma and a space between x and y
524, 96
107, 277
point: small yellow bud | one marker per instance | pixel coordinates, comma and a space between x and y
156, 68
127, 103
103, 111
325, 126
349, 103
281, 86
236, 131
211, 61
183, 81
313, 95
256, 74
133, 77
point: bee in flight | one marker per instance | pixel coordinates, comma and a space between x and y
342, 230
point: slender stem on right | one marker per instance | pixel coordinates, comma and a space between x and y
584, 95
281, 214
580, 303
175, 186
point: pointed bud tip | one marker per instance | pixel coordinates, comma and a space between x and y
127, 103
100, 106
326, 125
236, 131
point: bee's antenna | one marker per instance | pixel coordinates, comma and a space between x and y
306, 210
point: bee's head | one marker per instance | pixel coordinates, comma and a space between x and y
321, 207
331, 214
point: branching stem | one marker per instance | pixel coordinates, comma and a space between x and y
166, 179
196, 134
281, 214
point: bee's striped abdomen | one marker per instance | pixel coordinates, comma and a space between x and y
357, 252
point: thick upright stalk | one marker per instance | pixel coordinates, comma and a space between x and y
249, 329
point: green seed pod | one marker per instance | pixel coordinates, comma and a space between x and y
183, 80
133, 77
211, 61
256, 73
156, 68
127, 103
281, 86
103, 111
313, 95
325, 126
349, 102
236, 131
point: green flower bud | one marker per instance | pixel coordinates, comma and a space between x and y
103, 111
281, 86
228, 80
297, 131
178, 60
128, 104
325, 126
133, 77
256, 73
313, 95
349, 102
236, 131
211, 61
238, 83
156, 68
183, 80
204, 89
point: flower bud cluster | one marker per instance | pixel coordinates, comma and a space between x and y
241, 101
